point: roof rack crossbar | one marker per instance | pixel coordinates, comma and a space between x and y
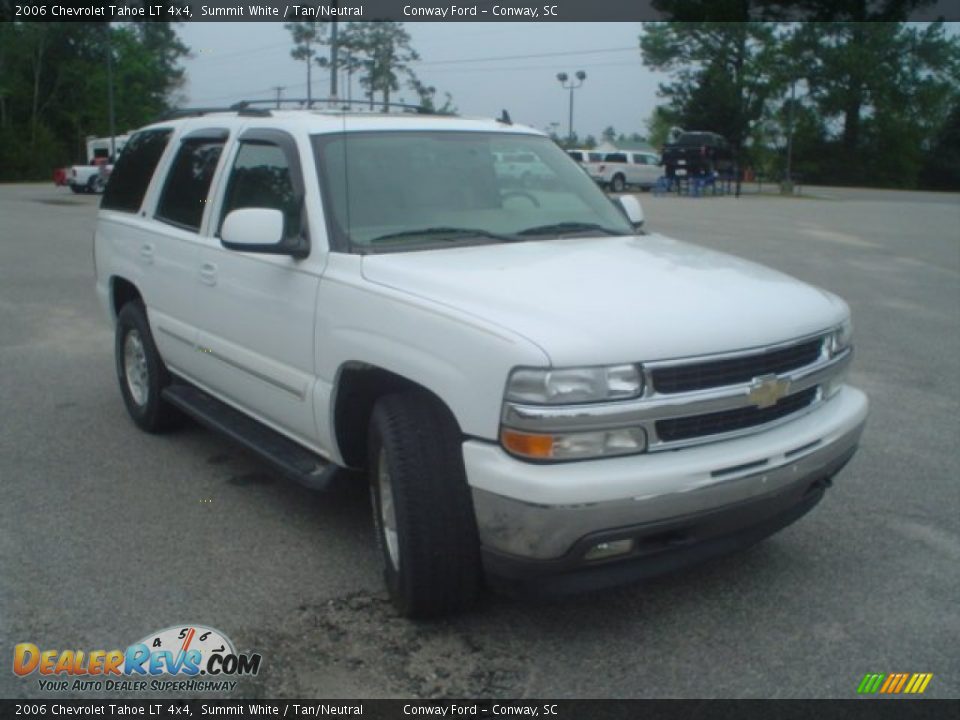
247, 107
200, 111
310, 103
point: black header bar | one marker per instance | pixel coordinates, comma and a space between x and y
160, 709
475, 10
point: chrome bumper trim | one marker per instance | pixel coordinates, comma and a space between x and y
543, 532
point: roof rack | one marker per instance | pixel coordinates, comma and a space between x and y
334, 103
246, 107
199, 111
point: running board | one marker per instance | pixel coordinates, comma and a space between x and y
284, 454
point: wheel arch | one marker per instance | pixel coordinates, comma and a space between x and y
122, 291
357, 388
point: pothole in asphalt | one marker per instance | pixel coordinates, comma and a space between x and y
361, 636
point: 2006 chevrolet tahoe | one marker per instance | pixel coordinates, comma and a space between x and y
538, 390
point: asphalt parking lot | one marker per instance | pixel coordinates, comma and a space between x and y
107, 533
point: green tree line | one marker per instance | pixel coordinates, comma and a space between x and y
863, 100
379, 53
54, 90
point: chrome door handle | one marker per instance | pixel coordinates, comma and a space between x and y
208, 274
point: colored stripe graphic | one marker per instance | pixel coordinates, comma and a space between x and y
894, 683
922, 682
900, 683
870, 683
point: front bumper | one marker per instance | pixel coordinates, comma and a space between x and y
677, 506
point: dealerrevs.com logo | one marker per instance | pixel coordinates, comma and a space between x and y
199, 657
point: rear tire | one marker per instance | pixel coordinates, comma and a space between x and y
141, 372
422, 507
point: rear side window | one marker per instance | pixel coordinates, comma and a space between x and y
188, 182
261, 178
131, 175
616, 158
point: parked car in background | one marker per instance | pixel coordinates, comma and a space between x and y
696, 154
584, 156
620, 170
92, 177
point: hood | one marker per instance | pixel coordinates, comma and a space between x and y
614, 299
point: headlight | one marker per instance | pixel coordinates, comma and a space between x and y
840, 339
574, 385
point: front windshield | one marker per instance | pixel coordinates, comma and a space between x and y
400, 190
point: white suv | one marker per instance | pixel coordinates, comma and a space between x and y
620, 170
538, 391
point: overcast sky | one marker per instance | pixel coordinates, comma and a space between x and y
242, 60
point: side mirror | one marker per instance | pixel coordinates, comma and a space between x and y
260, 230
632, 209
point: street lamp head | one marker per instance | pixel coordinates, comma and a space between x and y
581, 75
562, 77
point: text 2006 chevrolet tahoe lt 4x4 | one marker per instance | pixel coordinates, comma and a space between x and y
538, 390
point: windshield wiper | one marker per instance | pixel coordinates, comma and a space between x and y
443, 234
565, 228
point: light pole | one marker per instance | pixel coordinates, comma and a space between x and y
569, 84
786, 187
110, 112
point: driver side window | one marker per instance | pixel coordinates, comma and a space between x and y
260, 177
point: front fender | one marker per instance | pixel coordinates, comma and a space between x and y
462, 359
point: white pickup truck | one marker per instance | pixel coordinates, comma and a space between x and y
539, 391
92, 177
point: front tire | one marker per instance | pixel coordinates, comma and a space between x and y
141, 372
423, 511
618, 185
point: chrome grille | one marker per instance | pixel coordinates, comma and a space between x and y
730, 371
685, 428
691, 401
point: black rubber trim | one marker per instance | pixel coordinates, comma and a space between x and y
205, 134
662, 547
289, 458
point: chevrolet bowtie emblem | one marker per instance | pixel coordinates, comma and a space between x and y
766, 390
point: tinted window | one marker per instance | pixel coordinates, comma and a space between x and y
639, 160
699, 139
616, 157
595, 157
261, 178
131, 175
576, 155
185, 191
